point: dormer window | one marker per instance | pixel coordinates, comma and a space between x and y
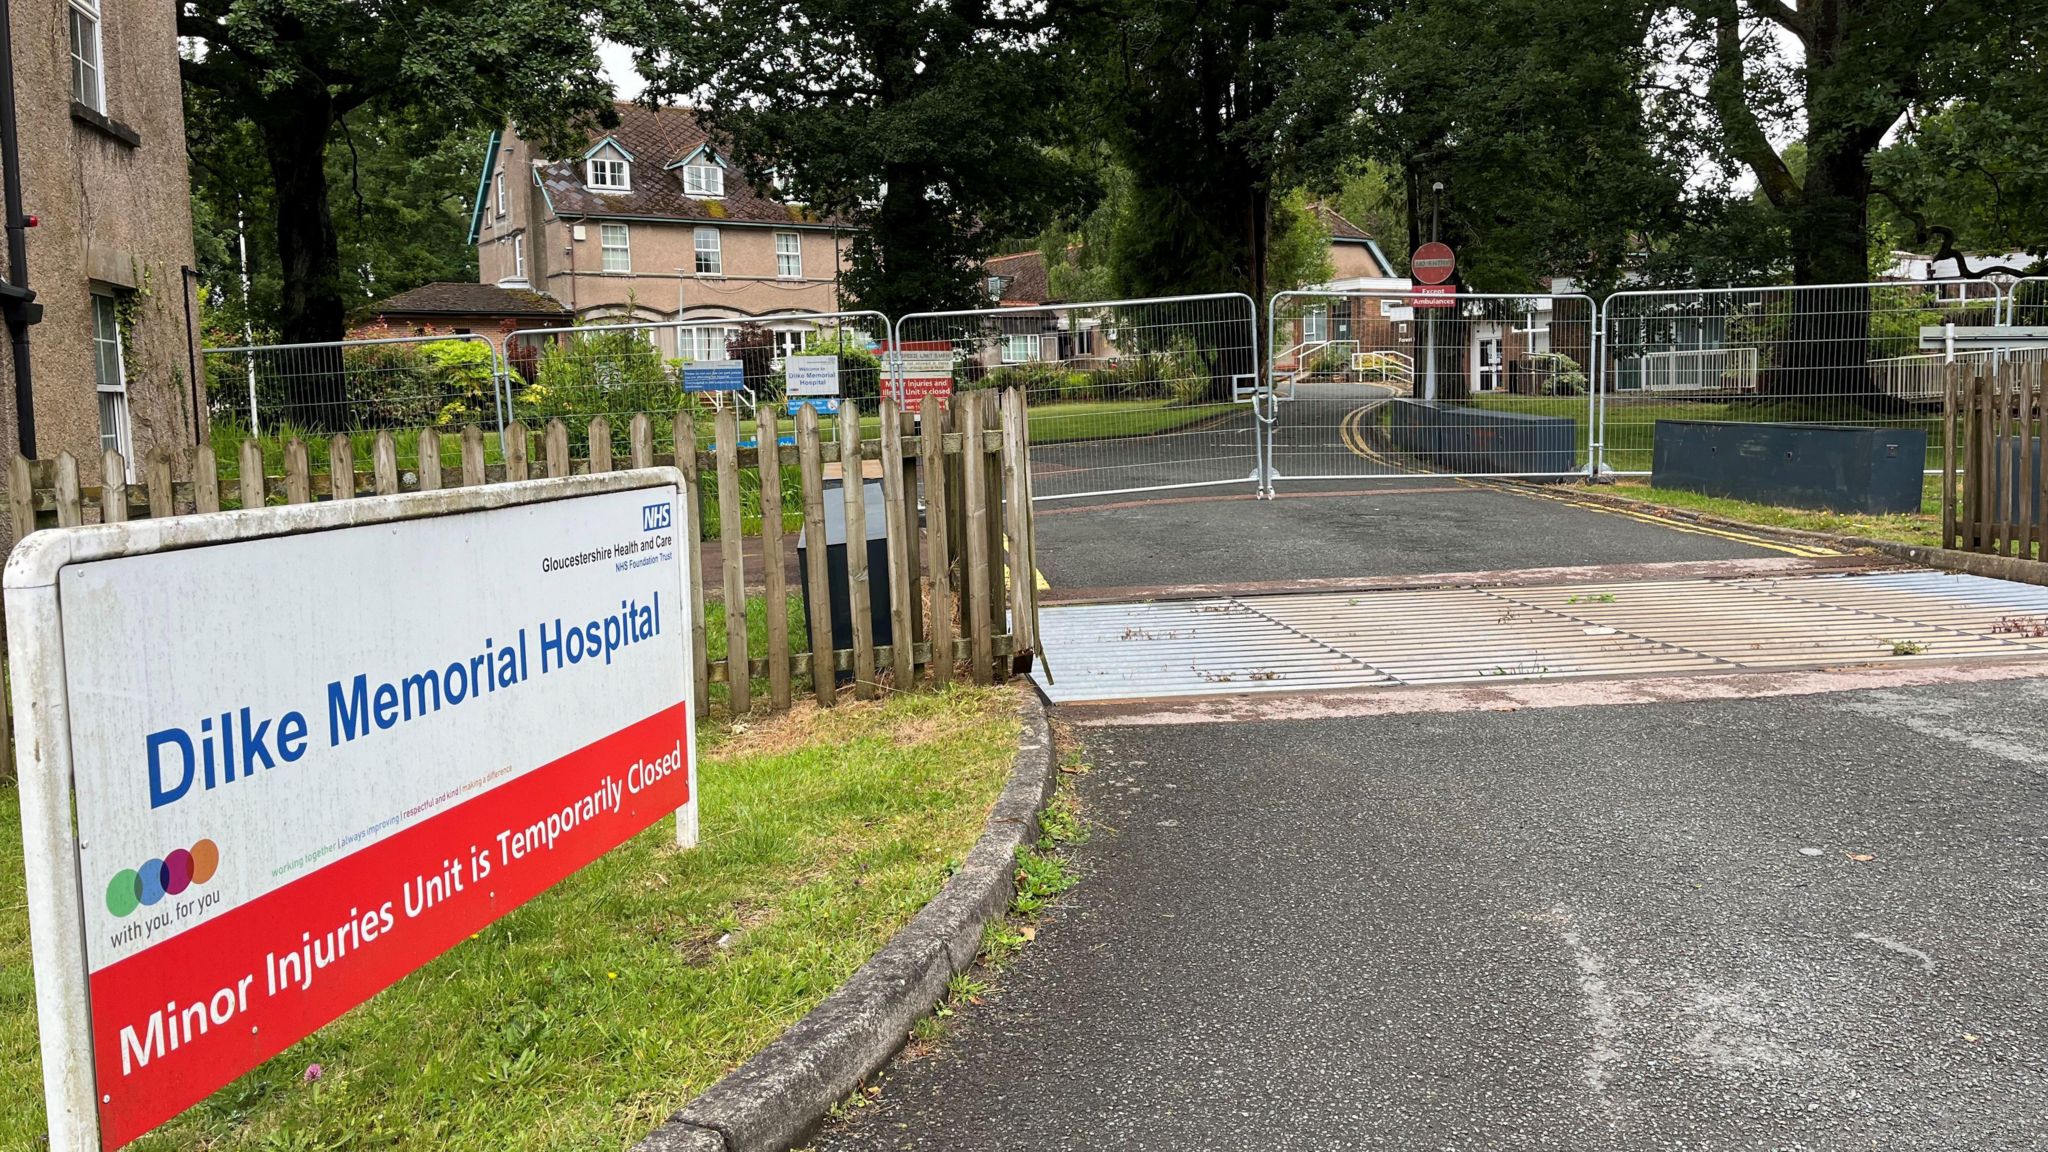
609, 174
704, 181
995, 287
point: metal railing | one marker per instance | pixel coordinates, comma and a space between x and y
1125, 395
1812, 354
1485, 385
354, 385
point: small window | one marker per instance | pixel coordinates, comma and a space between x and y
519, 257
710, 262
789, 255
790, 343
1084, 342
618, 251
1315, 325
995, 287
501, 193
1018, 348
88, 84
705, 181
709, 343
610, 174
110, 375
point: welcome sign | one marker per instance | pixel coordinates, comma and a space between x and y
307, 763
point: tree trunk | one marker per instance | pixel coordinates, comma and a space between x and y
313, 389
1825, 352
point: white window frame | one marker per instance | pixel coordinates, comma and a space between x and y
710, 342
605, 247
110, 377
789, 265
501, 194
995, 287
519, 257
710, 260
1315, 326
608, 174
1014, 350
88, 76
704, 181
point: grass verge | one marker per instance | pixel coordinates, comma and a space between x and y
1919, 528
585, 1017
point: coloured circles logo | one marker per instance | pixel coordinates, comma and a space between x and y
133, 888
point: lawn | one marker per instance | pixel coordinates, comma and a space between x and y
1920, 528
585, 1017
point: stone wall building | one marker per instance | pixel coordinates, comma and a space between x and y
100, 118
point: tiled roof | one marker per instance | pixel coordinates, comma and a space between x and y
1024, 277
1340, 228
657, 137
452, 298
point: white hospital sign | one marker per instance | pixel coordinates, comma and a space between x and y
311, 748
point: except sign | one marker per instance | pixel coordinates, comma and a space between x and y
269, 831
714, 376
1433, 296
1432, 263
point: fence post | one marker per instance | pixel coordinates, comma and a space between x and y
384, 464
901, 550
512, 442
600, 445
931, 451
557, 448
70, 501
730, 542
298, 468
429, 463
775, 598
979, 611
21, 494
817, 575
113, 488
205, 480
157, 486
473, 471
684, 432
1018, 502
249, 481
640, 440
853, 493
341, 467
906, 425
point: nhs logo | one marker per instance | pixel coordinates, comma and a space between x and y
654, 517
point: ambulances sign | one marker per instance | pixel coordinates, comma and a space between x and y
312, 748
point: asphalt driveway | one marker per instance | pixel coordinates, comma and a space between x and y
1802, 922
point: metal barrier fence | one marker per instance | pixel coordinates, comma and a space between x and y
613, 370
354, 385
1857, 354
2026, 303
1380, 384
1124, 395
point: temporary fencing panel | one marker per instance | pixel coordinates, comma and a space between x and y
1124, 395
614, 370
350, 385
1385, 384
1870, 355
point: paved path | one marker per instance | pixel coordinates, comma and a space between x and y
1801, 922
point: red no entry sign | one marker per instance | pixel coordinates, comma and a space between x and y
1432, 263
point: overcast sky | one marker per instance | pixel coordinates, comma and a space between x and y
618, 68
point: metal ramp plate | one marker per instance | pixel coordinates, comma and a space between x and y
1317, 641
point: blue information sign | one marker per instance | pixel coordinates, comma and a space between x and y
714, 376
826, 405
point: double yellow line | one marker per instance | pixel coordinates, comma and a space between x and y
1351, 430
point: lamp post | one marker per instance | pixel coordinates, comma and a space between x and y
1436, 189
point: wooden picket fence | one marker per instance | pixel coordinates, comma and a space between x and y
1994, 477
964, 589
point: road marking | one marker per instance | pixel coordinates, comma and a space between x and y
1351, 431
1925, 961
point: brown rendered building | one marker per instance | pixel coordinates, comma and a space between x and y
100, 119
651, 224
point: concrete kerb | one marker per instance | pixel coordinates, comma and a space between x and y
784, 1092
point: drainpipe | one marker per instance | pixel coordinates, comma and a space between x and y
18, 302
